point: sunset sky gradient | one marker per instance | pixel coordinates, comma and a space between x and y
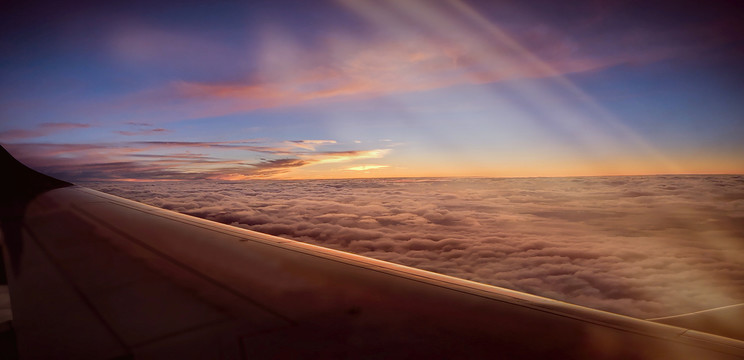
359, 88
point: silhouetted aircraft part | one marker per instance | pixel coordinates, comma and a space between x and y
21, 182
102, 277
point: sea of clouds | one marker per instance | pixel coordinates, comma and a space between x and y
644, 246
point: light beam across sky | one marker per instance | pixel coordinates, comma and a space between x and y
362, 88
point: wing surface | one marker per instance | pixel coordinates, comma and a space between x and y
94, 276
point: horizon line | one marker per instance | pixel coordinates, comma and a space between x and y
416, 177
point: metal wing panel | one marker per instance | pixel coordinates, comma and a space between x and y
151, 283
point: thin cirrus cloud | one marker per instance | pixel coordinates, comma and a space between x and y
269, 168
586, 240
310, 144
141, 129
423, 46
182, 160
482, 51
460, 47
507, 87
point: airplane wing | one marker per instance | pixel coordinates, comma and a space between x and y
94, 276
725, 321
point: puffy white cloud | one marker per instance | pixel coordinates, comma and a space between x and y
642, 246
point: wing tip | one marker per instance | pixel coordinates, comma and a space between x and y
21, 182
722, 321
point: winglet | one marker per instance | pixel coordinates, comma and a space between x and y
21, 182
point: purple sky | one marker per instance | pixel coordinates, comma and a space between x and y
138, 90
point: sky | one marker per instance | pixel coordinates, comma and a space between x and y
236, 90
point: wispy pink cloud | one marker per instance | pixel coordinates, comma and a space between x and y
409, 46
227, 145
459, 47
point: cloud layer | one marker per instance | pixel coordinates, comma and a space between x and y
184, 160
640, 246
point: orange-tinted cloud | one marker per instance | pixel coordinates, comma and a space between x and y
366, 167
342, 156
174, 160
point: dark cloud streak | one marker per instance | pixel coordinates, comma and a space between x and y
39, 131
142, 132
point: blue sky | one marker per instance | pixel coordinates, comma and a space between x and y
361, 88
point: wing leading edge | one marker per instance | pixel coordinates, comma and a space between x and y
96, 276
